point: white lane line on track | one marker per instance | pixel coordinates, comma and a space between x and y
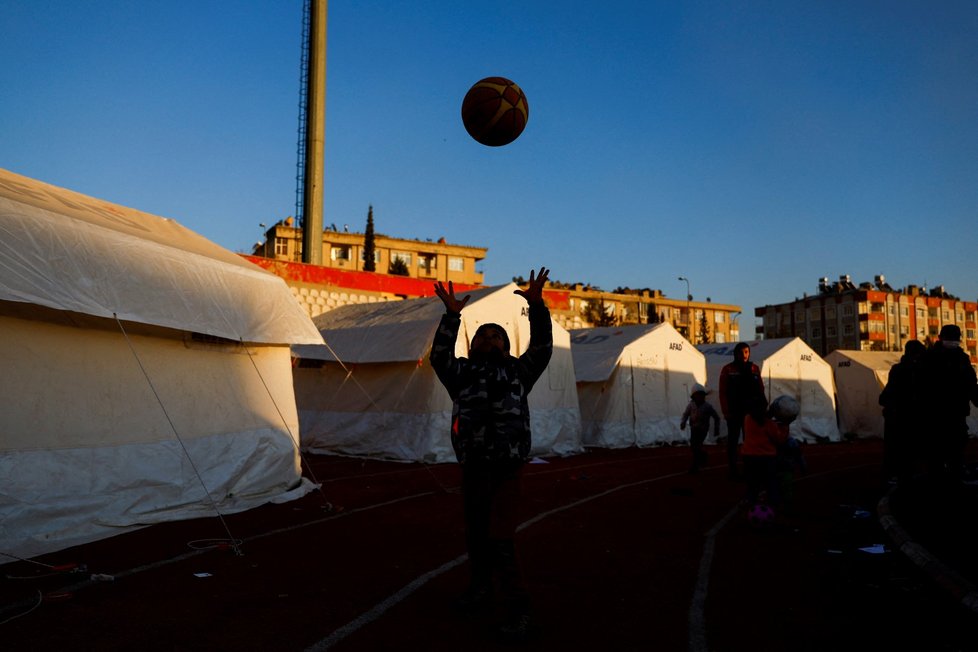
697, 629
380, 608
697, 608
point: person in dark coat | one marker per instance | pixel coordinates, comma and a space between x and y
900, 414
740, 386
491, 438
947, 385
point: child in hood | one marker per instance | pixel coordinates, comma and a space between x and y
698, 414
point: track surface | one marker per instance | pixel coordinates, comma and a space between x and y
622, 550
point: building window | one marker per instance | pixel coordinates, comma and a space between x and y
847, 310
281, 247
427, 262
719, 318
817, 333
830, 312
904, 331
401, 256
847, 330
456, 264
969, 333
830, 331
799, 316
904, 311
363, 255
341, 252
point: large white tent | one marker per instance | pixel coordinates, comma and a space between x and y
859, 378
147, 373
788, 366
371, 390
634, 383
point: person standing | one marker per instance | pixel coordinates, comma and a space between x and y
946, 384
740, 385
490, 435
698, 414
900, 422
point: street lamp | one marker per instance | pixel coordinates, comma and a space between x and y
690, 327
261, 243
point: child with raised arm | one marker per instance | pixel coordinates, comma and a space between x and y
491, 438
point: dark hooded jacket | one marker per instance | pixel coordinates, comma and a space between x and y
490, 415
739, 385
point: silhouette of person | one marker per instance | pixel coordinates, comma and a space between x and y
900, 414
946, 385
698, 414
740, 385
491, 438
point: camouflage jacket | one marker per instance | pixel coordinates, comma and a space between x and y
490, 416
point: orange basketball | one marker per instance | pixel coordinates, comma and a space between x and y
495, 111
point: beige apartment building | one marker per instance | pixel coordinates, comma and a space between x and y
341, 280
869, 317
343, 250
698, 321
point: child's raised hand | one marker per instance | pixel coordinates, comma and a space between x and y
448, 297
534, 293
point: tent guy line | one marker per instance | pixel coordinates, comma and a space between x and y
196, 552
293, 437
234, 543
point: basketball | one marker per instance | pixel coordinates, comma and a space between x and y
495, 112
785, 408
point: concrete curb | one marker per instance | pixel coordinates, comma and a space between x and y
961, 588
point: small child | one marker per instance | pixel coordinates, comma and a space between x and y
698, 413
763, 436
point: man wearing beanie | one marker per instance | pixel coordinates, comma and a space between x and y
947, 384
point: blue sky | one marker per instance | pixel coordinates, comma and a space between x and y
752, 147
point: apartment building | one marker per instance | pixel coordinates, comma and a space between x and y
869, 317
344, 250
698, 321
341, 280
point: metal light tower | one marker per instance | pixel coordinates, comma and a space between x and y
312, 201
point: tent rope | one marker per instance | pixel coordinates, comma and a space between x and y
350, 376
186, 452
293, 437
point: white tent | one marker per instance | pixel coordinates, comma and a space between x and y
147, 373
634, 383
372, 392
859, 378
788, 366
